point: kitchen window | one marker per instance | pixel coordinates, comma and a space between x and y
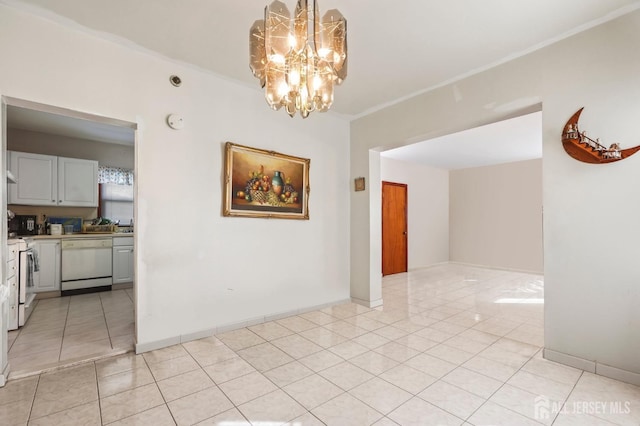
116, 194
116, 202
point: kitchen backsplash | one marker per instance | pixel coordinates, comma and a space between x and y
40, 211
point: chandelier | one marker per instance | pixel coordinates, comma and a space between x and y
298, 60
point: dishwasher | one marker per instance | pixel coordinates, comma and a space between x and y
86, 265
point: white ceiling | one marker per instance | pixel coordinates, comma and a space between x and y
396, 49
54, 124
516, 139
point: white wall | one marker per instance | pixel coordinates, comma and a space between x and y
427, 209
107, 154
496, 216
195, 269
592, 271
591, 227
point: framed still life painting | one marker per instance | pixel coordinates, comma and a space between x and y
260, 183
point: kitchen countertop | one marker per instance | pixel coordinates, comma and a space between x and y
68, 236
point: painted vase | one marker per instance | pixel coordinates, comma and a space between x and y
277, 183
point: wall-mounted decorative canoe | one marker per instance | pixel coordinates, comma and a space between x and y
583, 148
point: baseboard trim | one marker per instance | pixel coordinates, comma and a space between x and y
594, 367
157, 344
570, 360
618, 374
367, 303
197, 335
5, 375
122, 286
497, 268
417, 268
183, 338
47, 294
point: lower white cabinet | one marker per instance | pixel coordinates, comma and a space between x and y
48, 277
122, 260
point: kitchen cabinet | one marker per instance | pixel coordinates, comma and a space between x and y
47, 180
11, 304
9, 317
123, 260
48, 277
37, 176
77, 182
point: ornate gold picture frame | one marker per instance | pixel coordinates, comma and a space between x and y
261, 183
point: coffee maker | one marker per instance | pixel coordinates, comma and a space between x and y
23, 225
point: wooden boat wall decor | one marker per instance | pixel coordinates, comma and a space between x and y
581, 147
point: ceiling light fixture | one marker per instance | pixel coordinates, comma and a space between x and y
298, 60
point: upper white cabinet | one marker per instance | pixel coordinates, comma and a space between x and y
37, 179
77, 182
46, 180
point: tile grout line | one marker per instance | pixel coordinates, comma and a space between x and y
64, 329
95, 370
33, 401
75, 405
349, 361
262, 373
14, 340
413, 395
218, 385
313, 371
41, 374
166, 404
461, 365
131, 389
567, 398
371, 350
501, 386
106, 323
380, 374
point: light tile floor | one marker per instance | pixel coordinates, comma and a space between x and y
453, 345
65, 329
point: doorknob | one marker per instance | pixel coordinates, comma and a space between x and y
404, 233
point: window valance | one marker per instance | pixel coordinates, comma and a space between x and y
117, 175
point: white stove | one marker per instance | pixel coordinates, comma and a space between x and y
22, 262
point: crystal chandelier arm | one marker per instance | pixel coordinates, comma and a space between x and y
299, 60
257, 54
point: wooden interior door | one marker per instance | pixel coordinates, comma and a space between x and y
394, 228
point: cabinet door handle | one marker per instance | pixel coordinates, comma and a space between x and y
53, 201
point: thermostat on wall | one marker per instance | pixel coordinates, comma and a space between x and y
175, 121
